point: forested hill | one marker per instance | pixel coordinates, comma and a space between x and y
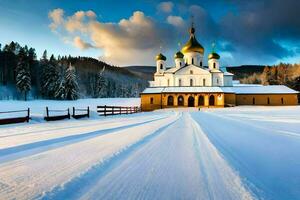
64, 77
245, 70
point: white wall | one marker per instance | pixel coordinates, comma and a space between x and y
211, 64
217, 79
193, 56
158, 63
179, 62
228, 81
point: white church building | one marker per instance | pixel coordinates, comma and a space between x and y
191, 84
189, 69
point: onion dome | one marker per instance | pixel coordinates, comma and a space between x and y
178, 55
213, 56
192, 45
160, 57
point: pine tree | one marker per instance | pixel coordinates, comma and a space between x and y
101, 84
23, 78
68, 88
50, 76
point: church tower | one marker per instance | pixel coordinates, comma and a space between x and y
179, 61
160, 63
213, 59
193, 50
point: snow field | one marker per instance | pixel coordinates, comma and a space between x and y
38, 107
231, 153
31, 176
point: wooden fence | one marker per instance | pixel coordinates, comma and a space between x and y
65, 115
15, 119
81, 115
116, 110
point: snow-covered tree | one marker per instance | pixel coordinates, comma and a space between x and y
50, 76
68, 88
101, 84
23, 78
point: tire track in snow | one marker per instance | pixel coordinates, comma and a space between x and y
178, 162
221, 180
13, 153
38, 128
101, 169
29, 177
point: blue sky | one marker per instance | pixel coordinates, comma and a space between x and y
132, 32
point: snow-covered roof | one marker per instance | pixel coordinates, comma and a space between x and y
171, 70
260, 89
255, 89
228, 74
191, 89
153, 90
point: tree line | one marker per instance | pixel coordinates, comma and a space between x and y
63, 78
281, 74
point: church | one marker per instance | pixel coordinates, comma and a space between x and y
191, 84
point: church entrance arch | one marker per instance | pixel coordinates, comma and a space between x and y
212, 100
180, 100
170, 101
191, 101
201, 100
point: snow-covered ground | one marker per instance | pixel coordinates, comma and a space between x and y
38, 107
230, 153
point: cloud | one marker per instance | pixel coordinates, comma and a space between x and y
251, 33
165, 7
57, 18
175, 21
79, 43
134, 40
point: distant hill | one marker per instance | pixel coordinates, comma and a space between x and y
245, 70
146, 72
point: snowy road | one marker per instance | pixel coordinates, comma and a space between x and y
214, 154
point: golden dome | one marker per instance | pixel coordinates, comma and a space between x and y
192, 45
161, 57
213, 56
178, 55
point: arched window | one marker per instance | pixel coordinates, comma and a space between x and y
217, 81
191, 82
282, 102
201, 64
191, 72
214, 65
253, 101
201, 101
191, 101
168, 82
170, 101
151, 100
161, 66
179, 82
204, 82
192, 61
180, 101
180, 64
268, 100
211, 100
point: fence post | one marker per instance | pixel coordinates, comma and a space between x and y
88, 112
105, 110
113, 110
47, 111
69, 113
28, 114
120, 110
126, 110
73, 111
